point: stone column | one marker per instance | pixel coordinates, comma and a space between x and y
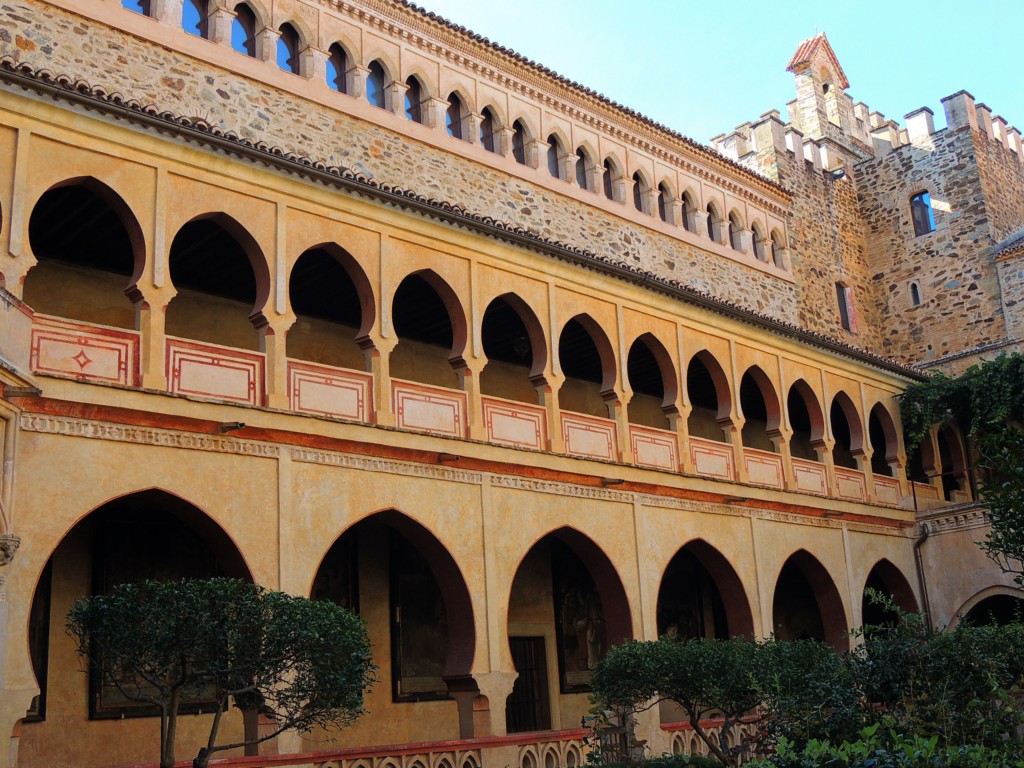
167, 12
377, 357
649, 201
615, 400
681, 424
780, 439
396, 95
744, 239
733, 428
700, 223
220, 25
273, 335
356, 81
433, 111
535, 149
266, 44
315, 67
469, 382
503, 141
673, 212
547, 396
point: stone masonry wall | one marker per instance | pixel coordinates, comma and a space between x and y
960, 299
46, 36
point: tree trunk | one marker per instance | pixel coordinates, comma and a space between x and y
706, 738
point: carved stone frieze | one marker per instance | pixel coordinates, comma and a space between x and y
389, 466
9, 544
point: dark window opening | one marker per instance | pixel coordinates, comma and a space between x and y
243, 30
519, 142
487, 129
528, 708
288, 49
609, 172
337, 69
554, 160
843, 300
922, 214
915, 295
690, 604
639, 190
413, 100
376, 83
195, 17
453, 116
664, 201
581, 169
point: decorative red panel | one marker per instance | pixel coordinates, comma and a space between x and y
589, 436
512, 423
654, 447
328, 391
711, 458
851, 484
429, 409
206, 370
810, 476
887, 490
763, 467
85, 351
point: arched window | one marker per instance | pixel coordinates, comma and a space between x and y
243, 30
915, 294
921, 213
712, 221
487, 124
664, 201
195, 16
777, 245
639, 192
288, 49
337, 69
758, 244
687, 212
376, 81
581, 168
554, 154
139, 6
413, 100
735, 228
453, 116
609, 173
519, 142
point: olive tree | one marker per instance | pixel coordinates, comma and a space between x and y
300, 663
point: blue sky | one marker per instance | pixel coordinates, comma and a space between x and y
704, 67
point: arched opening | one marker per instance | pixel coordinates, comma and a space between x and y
884, 441
89, 251
689, 208
807, 604
145, 7
997, 609
288, 44
213, 263
653, 381
150, 534
414, 100
735, 228
519, 139
757, 242
582, 163
488, 126
712, 223
664, 201
640, 190
700, 595
406, 585
777, 246
805, 419
333, 305
846, 431
555, 152
337, 68
886, 579
708, 391
608, 177
453, 116
431, 329
376, 85
195, 17
760, 406
567, 604
921, 214
953, 466
516, 351
243, 30
588, 363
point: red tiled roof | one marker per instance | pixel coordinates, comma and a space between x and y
806, 50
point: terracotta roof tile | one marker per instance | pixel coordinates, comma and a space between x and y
806, 51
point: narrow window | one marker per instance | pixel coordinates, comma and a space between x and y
758, 244
195, 16
734, 233
243, 30
519, 142
777, 244
138, 6
553, 153
915, 294
712, 220
487, 129
664, 200
337, 67
376, 81
581, 168
288, 49
413, 100
453, 116
843, 298
609, 171
639, 188
921, 213
687, 213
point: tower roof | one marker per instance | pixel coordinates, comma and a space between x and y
812, 47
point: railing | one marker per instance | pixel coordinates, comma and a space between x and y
851, 484
652, 447
208, 370
810, 476
85, 351
763, 468
326, 391
686, 741
887, 490
926, 491
512, 423
428, 409
543, 749
712, 459
590, 436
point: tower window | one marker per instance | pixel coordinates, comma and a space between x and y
288, 49
915, 294
337, 67
413, 100
243, 30
844, 298
376, 80
921, 213
519, 142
